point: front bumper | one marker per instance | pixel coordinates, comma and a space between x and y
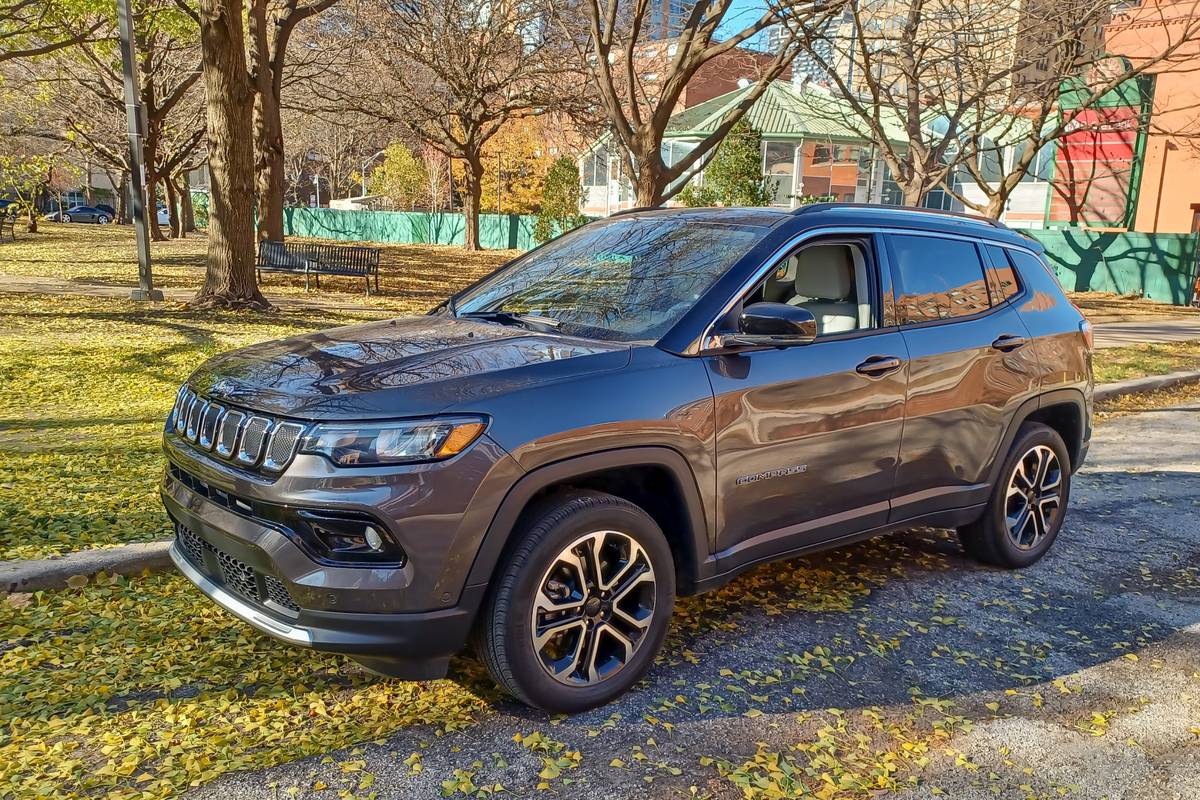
410, 646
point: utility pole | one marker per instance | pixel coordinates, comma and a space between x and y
137, 165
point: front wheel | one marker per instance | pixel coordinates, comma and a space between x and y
1028, 502
581, 607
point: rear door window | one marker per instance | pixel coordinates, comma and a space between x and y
937, 278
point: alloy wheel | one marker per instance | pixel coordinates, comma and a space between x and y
593, 607
1034, 498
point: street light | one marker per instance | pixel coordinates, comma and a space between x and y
363, 174
136, 122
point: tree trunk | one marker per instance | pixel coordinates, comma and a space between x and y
913, 194
186, 209
172, 207
473, 180
649, 185
229, 278
151, 205
995, 206
268, 128
31, 218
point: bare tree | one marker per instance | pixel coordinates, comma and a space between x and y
271, 26
641, 77
452, 72
1005, 133
229, 279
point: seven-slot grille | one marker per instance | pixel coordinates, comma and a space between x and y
247, 439
237, 575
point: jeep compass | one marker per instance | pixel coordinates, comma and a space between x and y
640, 409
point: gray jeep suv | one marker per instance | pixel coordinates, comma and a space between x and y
642, 408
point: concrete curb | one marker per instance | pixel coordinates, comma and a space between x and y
53, 573
1152, 383
130, 559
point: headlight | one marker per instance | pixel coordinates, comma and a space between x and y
374, 443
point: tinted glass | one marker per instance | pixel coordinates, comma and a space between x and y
627, 279
937, 278
1002, 278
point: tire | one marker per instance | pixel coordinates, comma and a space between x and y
65, 217
1005, 536
592, 663
102, 219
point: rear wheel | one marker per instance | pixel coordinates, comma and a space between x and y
582, 605
1028, 502
102, 219
66, 217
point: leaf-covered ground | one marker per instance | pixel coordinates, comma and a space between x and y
412, 278
1150, 358
84, 387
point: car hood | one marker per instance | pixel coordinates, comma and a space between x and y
397, 368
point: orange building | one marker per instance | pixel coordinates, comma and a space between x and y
1168, 196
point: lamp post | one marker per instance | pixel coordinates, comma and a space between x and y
136, 122
365, 164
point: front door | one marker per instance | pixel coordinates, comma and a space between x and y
970, 366
807, 438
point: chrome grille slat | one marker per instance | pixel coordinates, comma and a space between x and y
246, 439
208, 425
231, 424
193, 422
282, 446
254, 435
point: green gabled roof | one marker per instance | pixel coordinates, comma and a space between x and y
782, 112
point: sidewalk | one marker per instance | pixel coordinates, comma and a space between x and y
1122, 334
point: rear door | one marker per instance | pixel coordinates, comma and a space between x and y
807, 437
970, 366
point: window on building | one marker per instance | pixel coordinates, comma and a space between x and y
1042, 166
595, 168
830, 171
937, 278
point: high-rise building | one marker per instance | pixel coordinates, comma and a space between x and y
667, 18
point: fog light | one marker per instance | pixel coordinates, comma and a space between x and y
374, 540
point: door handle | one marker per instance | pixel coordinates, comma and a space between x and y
878, 365
1008, 342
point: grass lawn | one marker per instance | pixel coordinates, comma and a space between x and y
412, 278
1150, 358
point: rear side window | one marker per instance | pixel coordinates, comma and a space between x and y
937, 279
1002, 278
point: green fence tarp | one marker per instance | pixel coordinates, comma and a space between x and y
496, 231
1160, 266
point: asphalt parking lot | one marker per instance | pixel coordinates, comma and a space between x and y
894, 667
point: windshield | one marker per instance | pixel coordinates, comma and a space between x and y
628, 279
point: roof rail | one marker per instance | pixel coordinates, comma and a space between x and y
903, 209
635, 210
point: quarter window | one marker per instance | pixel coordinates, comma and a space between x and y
1002, 278
937, 279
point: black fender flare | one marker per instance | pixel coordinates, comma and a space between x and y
1026, 410
499, 532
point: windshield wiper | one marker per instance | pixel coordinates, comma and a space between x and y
535, 321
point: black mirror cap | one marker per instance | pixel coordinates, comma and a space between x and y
776, 324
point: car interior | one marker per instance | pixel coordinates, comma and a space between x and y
830, 280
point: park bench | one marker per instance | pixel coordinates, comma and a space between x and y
320, 259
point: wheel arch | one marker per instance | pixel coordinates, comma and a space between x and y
1064, 410
658, 479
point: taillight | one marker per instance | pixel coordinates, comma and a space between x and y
1085, 328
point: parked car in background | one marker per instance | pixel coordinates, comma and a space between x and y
107, 209
81, 214
642, 408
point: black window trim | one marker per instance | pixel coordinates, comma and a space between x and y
702, 344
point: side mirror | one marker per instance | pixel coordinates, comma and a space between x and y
773, 325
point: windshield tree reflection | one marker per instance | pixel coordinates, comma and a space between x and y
627, 279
